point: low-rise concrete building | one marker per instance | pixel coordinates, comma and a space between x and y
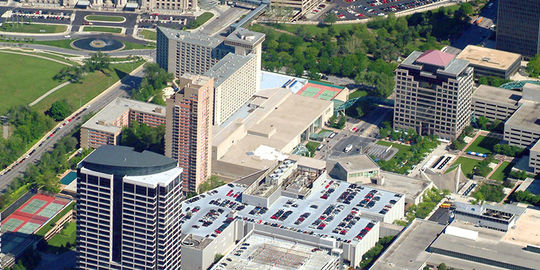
534, 157
265, 130
491, 62
106, 126
354, 169
495, 103
495, 217
284, 207
523, 127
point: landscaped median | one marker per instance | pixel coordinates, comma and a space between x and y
102, 29
105, 18
202, 19
34, 28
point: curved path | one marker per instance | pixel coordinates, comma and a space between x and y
37, 56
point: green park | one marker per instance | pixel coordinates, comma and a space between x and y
33, 28
104, 18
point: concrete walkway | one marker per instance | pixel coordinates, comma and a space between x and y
48, 93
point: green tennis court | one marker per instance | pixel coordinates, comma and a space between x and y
50, 210
33, 206
310, 91
28, 228
11, 224
327, 95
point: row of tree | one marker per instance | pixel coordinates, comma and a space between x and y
154, 80
488, 192
28, 126
403, 161
96, 62
429, 200
366, 53
533, 67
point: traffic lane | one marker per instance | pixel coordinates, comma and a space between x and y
223, 20
131, 18
128, 83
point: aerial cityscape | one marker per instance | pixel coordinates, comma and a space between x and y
270, 134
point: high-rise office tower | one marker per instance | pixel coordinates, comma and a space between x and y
518, 27
128, 207
188, 135
433, 94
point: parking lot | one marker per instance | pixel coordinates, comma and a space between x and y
154, 20
41, 15
359, 9
333, 209
361, 145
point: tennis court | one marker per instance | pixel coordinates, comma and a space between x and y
320, 90
33, 214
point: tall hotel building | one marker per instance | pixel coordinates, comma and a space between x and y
433, 94
234, 62
188, 135
128, 208
518, 27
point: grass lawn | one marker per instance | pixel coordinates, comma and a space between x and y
400, 147
102, 29
136, 46
200, 20
15, 79
357, 94
502, 172
32, 28
314, 145
483, 145
50, 224
67, 235
62, 43
93, 84
467, 165
148, 34
104, 18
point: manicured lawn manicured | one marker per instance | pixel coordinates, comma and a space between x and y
400, 147
148, 34
15, 83
93, 84
104, 18
32, 28
200, 20
102, 29
467, 165
483, 145
136, 46
357, 94
502, 172
62, 43
67, 235
312, 144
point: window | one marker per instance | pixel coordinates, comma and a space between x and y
128, 187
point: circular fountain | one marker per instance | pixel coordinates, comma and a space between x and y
97, 44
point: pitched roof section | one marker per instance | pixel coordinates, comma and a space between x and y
436, 58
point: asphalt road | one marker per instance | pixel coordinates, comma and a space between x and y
223, 20
477, 34
47, 143
129, 23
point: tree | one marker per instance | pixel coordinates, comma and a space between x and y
59, 110
97, 61
441, 266
213, 182
533, 67
330, 18
143, 137
482, 122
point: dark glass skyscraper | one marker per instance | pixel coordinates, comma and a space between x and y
518, 27
128, 210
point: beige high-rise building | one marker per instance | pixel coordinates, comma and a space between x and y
188, 135
433, 94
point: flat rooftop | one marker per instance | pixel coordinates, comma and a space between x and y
526, 116
512, 255
408, 251
105, 120
525, 232
357, 163
260, 252
191, 37
503, 212
213, 207
227, 66
245, 36
411, 187
501, 95
278, 119
490, 58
